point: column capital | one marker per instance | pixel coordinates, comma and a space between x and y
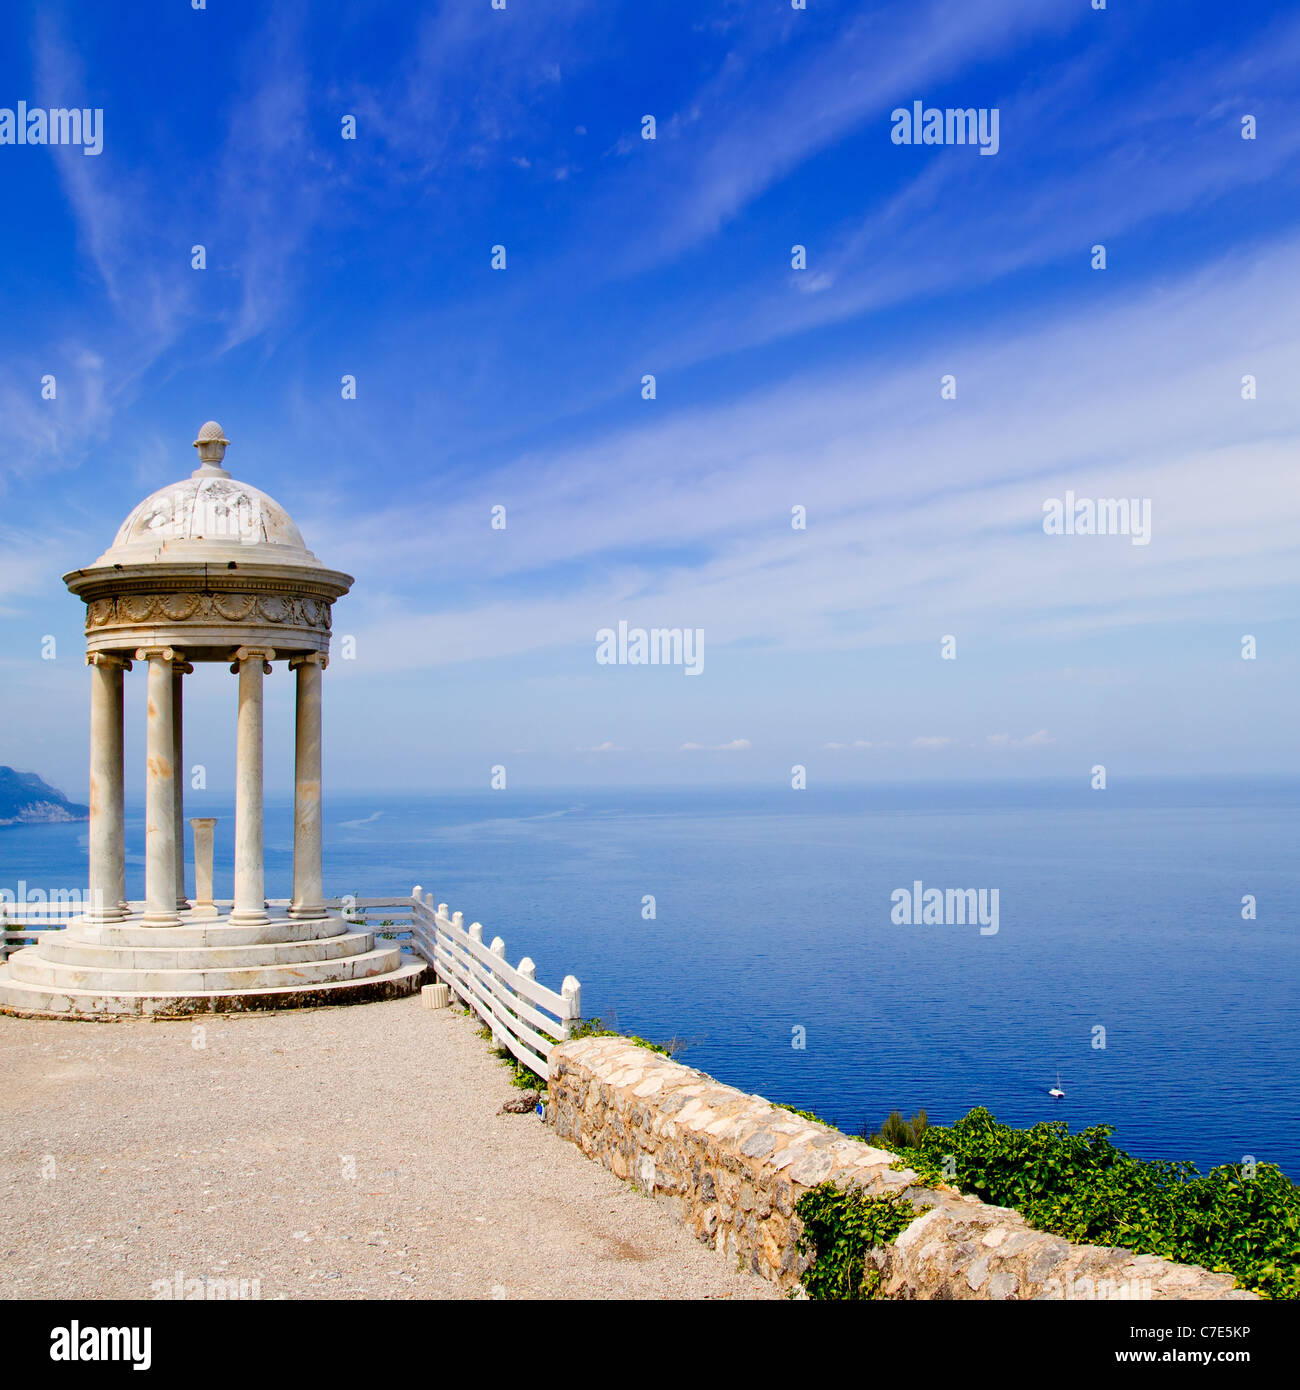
180, 667
242, 654
108, 659
320, 659
158, 654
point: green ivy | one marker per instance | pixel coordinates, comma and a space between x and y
841, 1226
1082, 1187
804, 1114
594, 1028
520, 1075
527, 1079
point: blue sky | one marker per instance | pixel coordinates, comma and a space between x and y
776, 387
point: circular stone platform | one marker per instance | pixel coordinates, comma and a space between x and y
124, 969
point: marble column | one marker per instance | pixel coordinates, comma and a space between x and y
250, 875
180, 669
160, 847
308, 873
107, 805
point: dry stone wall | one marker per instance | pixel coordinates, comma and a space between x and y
732, 1166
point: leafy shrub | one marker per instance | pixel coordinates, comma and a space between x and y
1082, 1187
841, 1225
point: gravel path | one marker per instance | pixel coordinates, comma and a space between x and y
327, 1153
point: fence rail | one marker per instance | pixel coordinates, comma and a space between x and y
386, 916
22, 923
15, 940
525, 1017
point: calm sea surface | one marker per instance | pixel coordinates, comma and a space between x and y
1118, 909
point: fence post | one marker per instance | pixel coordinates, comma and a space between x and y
420, 941
422, 931
470, 959
572, 992
436, 938
529, 971
497, 985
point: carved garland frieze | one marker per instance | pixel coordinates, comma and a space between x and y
133, 610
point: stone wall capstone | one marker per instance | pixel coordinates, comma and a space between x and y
732, 1166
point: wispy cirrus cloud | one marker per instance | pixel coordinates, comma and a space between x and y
922, 513
1059, 186
521, 389
755, 120
419, 117
137, 221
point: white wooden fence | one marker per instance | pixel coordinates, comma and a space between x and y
524, 1016
21, 923
384, 916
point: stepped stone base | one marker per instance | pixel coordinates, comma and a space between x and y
209, 966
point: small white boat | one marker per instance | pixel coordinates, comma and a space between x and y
1056, 1093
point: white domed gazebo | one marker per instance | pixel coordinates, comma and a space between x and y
208, 569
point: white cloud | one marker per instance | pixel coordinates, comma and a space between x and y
922, 514
742, 132
135, 224
737, 745
1040, 739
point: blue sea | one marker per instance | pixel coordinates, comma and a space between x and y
1119, 910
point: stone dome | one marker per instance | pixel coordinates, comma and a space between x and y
205, 515
209, 517
207, 565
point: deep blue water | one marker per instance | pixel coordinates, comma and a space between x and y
1119, 908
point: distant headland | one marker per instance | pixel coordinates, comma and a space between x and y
26, 800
